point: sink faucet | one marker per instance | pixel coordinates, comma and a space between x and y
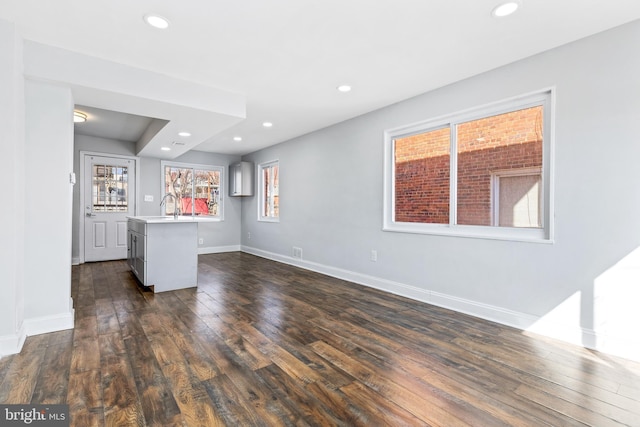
176, 209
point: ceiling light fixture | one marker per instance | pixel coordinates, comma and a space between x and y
505, 9
267, 124
79, 117
344, 88
156, 21
165, 149
184, 134
237, 138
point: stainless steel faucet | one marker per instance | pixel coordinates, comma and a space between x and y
176, 209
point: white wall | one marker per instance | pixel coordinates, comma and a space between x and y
35, 225
331, 202
48, 201
11, 220
96, 82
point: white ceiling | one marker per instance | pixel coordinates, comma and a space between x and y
288, 56
111, 124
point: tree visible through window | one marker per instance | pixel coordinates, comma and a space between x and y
192, 190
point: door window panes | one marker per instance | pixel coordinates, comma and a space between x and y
109, 188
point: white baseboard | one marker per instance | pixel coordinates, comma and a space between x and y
12, 344
75, 261
569, 333
623, 347
46, 324
218, 249
473, 308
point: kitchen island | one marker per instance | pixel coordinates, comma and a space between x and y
163, 251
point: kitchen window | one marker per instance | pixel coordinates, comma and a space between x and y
269, 191
192, 190
485, 172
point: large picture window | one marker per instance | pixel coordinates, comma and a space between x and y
269, 191
481, 173
192, 190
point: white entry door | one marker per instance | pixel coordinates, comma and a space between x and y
109, 197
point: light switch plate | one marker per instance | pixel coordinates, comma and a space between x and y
148, 198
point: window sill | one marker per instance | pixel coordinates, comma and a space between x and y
268, 219
528, 235
203, 218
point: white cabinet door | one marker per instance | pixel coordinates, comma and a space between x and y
241, 179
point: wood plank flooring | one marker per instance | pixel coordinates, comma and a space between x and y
260, 343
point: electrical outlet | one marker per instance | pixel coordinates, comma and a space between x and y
249, 235
297, 252
201, 241
374, 255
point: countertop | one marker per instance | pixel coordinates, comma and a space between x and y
170, 219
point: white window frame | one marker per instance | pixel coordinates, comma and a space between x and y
194, 166
261, 195
544, 98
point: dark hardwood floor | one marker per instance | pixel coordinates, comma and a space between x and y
262, 343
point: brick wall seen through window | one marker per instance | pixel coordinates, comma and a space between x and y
506, 142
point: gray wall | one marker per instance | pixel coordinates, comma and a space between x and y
217, 237
331, 202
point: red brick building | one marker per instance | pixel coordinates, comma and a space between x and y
498, 152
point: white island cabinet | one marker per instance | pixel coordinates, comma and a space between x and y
163, 252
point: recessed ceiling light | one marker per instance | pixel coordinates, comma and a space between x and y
184, 134
344, 88
505, 9
156, 21
165, 149
79, 117
267, 124
237, 138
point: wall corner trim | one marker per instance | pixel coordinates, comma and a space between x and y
46, 324
12, 344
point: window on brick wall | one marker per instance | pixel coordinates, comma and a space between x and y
484, 172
